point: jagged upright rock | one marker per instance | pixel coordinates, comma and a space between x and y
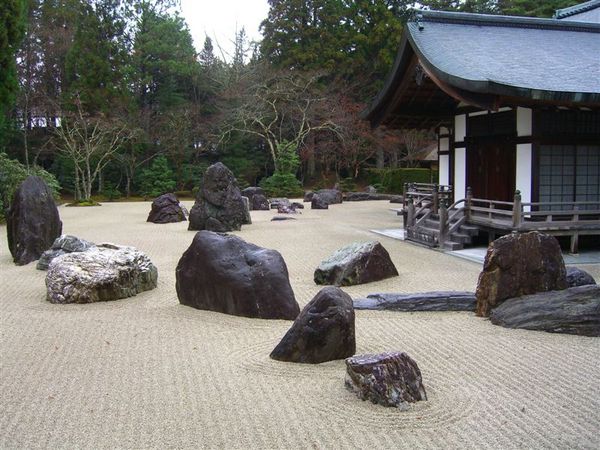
519, 264
357, 263
219, 205
166, 209
32, 222
324, 330
223, 273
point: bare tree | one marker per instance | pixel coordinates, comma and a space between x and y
90, 143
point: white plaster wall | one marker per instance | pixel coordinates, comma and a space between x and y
460, 127
523, 178
444, 171
524, 121
444, 145
460, 174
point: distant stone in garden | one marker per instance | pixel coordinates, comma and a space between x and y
365, 196
247, 217
282, 218
101, 273
186, 213
32, 221
166, 209
297, 205
330, 196
318, 203
308, 195
324, 330
223, 273
578, 277
277, 203
397, 199
371, 189
519, 264
257, 198
422, 301
357, 263
62, 245
219, 205
388, 379
282, 209
575, 310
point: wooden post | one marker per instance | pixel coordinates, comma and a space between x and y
404, 192
468, 204
443, 225
435, 199
575, 243
517, 214
410, 216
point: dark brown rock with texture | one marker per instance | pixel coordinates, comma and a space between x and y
388, 379
324, 330
32, 221
308, 195
166, 209
421, 301
330, 196
317, 202
578, 277
223, 273
357, 263
257, 198
575, 310
219, 205
519, 264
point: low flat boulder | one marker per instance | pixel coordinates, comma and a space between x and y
324, 330
365, 196
281, 218
388, 379
330, 196
101, 273
422, 301
277, 203
519, 264
575, 310
62, 245
166, 209
318, 203
223, 273
32, 221
578, 277
397, 199
357, 263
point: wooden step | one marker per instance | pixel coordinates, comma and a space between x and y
451, 245
469, 229
461, 237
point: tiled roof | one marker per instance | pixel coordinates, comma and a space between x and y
542, 59
586, 9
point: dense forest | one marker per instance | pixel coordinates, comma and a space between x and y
111, 97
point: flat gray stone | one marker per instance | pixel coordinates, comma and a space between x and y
423, 301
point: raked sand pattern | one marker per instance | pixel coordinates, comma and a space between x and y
146, 372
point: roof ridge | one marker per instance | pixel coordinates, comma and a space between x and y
423, 16
576, 9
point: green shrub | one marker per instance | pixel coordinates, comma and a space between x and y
111, 193
282, 185
12, 174
392, 180
158, 179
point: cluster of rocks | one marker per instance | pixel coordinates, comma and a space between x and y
32, 221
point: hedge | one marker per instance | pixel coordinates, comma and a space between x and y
392, 180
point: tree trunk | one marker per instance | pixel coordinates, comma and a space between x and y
380, 164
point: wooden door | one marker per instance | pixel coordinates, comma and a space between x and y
491, 171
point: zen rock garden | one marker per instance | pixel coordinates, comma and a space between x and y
523, 284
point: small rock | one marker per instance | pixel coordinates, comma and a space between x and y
324, 330
62, 245
166, 209
277, 203
281, 218
578, 277
388, 379
358, 263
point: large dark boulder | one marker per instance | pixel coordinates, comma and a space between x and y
578, 277
32, 222
330, 196
166, 209
422, 301
519, 264
388, 379
317, 202
256, 198
62, 245
324, 330
308, 195
219, 205
358, 263
223, 273
575, 310
101, 273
